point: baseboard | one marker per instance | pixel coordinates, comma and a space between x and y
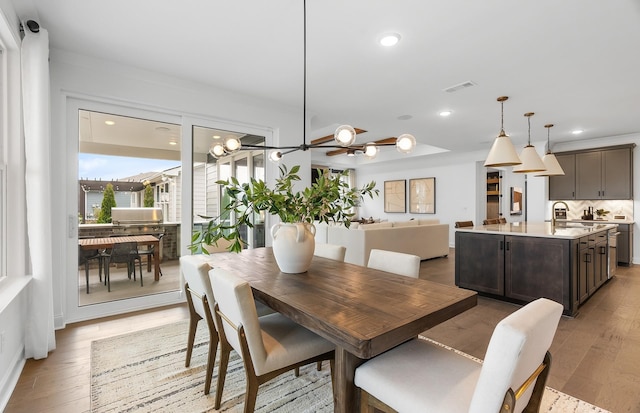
9, 381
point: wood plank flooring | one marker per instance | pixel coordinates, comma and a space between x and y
596, 355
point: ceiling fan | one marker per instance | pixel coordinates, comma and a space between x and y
370, 149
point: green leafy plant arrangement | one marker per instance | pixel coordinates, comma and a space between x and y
327, 199
601, 212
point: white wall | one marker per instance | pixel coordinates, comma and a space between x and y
460, 179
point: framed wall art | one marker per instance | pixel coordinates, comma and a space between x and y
395, 198
422, 196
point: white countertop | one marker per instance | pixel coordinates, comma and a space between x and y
566, 230
600, 221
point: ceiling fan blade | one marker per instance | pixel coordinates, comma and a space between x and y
385, 141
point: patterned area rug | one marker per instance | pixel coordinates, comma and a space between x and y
144, 372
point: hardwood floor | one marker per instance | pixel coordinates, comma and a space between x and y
595, 355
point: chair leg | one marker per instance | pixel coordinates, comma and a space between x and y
225, 349
86, 273
251, 394
107, 277
211, 359
319, 366
140, 268
193, 326
296, 372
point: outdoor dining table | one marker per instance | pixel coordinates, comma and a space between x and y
107, 243
363, 311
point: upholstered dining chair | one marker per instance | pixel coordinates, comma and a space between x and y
200, 299
395, 262
419, 376
463, 224
331, 251
269, 345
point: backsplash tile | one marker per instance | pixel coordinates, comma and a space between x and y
615, 207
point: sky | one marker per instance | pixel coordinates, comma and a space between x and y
103, 167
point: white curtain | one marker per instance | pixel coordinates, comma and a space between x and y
40, 335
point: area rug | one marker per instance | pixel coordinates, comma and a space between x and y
144, 372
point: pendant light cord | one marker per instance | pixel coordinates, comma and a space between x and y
304, 77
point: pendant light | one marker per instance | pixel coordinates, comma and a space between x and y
549, 159
531, 161
502, 151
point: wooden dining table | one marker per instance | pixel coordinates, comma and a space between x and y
107, 243
363, 311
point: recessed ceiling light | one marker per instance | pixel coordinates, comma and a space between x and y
173, 142
109, 122
445, 113
389, 39
577, 131
216, 136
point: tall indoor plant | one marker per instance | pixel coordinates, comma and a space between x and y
329, 198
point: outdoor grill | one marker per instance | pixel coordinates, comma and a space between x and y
135, 221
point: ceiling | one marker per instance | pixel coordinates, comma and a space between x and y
573, 62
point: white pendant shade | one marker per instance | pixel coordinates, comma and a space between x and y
531, 161
552, 165
502, 152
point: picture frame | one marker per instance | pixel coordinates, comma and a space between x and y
395, 197
422, 196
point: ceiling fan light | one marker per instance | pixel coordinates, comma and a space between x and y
275, 156
531, 161
217, 150
552, 166
232, 144
345, 135
405, 143
370, 150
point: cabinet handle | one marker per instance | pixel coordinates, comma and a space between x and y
501, 245
508, 243
603, 250
587, 257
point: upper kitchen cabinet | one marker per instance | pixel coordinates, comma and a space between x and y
605, 173
563, 187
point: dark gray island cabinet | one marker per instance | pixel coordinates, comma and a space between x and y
521, 262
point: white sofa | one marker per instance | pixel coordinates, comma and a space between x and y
426, 238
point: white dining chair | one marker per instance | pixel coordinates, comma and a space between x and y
331, 251
395, 262
200, 299
269, 345
420, 376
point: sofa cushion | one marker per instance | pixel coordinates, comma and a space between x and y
428, 221
377, 225
398, 224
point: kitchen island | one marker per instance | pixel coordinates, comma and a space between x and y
523, 261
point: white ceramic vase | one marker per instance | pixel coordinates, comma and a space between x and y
293, 246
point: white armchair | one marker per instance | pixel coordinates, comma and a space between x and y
422, 376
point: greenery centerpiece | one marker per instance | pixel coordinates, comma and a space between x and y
329, 198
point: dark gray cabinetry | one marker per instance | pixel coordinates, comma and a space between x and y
518, 268
605, 173
592, 265
537, 267
481, 267
625, 244
563, 187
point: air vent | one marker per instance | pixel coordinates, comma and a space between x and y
459, 86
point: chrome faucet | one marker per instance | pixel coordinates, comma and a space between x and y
553, 211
